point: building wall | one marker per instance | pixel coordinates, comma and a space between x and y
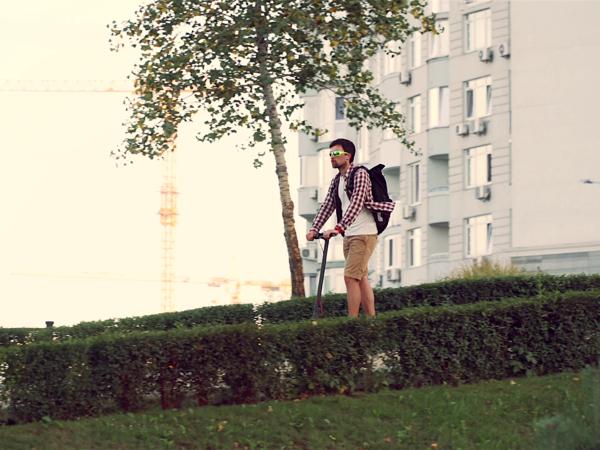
540, 129
555, 143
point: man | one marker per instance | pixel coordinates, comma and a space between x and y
356, 224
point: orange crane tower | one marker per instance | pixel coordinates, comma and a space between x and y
168, 191
168, 219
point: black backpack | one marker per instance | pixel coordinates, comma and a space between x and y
379, 190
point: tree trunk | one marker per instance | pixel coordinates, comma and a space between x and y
287, 205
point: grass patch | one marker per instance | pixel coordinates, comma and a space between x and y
488, 415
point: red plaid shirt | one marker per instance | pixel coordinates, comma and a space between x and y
361, 196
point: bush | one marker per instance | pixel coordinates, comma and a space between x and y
247, 363
16, 336
213, 315
486, 269
453, 292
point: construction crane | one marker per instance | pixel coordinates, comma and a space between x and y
168, 190
168, 212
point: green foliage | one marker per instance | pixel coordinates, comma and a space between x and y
247, 363
486, 269
14, 336
578, 428
212, 315
453, 292
239, 60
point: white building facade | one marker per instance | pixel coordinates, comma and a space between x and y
502, 106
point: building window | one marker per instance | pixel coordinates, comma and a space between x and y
340, 111
438, 107
414, 114
391, 63
414, 247
391, 252
388, 134
414, 181
414, 50
439, 6
478, 236
363, 151
309, 174
478, 26
478, 98
439, 43
478, 166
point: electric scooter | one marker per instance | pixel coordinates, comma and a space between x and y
318, 309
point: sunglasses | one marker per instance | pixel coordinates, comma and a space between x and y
337, 153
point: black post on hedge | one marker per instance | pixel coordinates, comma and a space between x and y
49, 323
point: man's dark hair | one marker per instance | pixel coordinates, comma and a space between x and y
346, 144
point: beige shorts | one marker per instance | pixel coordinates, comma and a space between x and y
357, 251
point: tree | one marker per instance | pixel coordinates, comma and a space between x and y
246, 62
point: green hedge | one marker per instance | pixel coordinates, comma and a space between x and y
455, 292
15, 336
441, 293
249, 363
213, 315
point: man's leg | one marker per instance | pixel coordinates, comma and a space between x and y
367, 297
353, 290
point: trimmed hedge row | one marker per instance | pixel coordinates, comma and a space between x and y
249, 363
454, 292
441, 293
212, 315
13, 336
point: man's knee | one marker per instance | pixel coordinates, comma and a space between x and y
351, 280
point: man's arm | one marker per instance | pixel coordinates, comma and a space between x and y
325, 210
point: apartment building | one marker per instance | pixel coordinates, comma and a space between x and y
503, 108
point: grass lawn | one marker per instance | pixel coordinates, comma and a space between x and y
489, 415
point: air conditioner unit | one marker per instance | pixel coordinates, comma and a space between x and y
483, 192
408, 212
309, 253
479, 126
486, 55
393, 274
462, 129
405, 77
504, 49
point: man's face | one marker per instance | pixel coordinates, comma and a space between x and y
338, 156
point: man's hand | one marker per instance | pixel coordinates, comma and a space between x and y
311, 235
329, 234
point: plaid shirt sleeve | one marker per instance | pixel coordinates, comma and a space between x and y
325, 211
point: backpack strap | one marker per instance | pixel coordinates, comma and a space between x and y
336, 198
350, 184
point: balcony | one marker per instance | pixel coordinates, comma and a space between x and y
390, 153
396, 216
307, 146
438, 142
307, 202
438, 266
438, 204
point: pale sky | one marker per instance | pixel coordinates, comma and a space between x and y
68, 210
